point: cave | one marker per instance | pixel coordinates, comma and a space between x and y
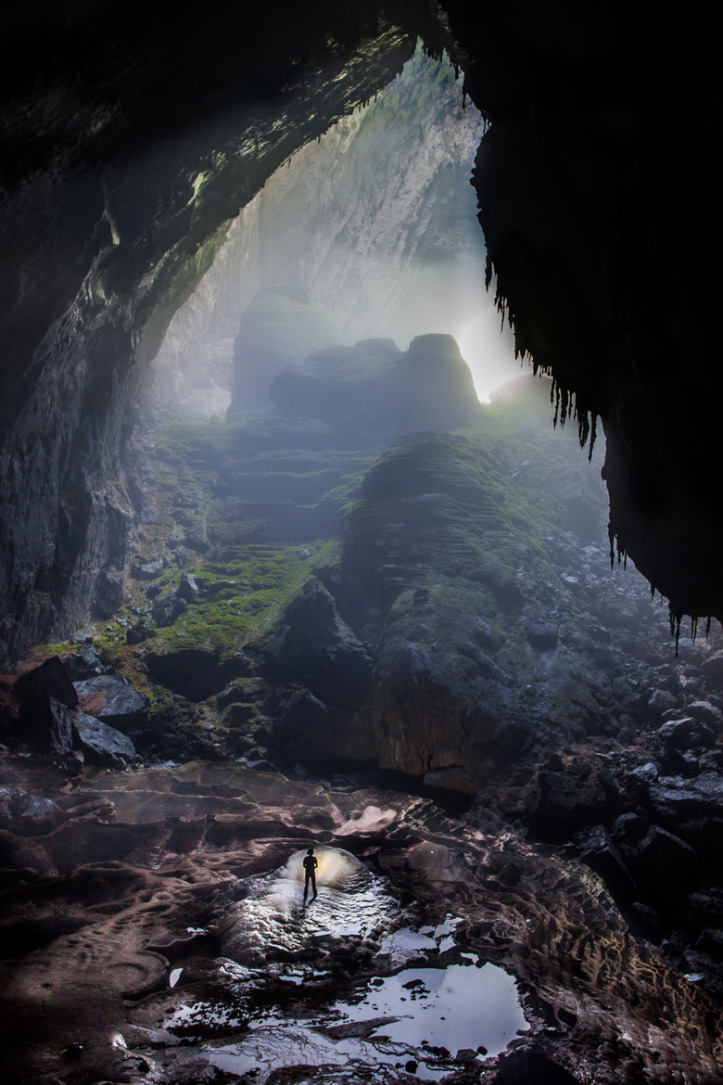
277, 573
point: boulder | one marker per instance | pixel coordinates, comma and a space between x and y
46, 725
601, 855
111, 699
192, 672
307, 730
659, 701
712, 667
629, 830
452, 778
542, 635
686, 734
570, 798
212, 589
187, 588
317, 649
50, 679
85, 663
168, 608
705, 712
101, 744
139, 632
147, 570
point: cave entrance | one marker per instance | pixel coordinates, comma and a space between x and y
371, 229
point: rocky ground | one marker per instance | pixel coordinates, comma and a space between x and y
417, 652
118, 881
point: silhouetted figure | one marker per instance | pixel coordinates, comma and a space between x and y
310, 865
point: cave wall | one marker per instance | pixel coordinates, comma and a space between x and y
601, 219
130, 140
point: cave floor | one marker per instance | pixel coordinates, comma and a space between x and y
135, 950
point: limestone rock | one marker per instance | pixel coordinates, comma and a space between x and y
194, 672
187, 588
147, 570
686, 733
85, 663
706, 713
50, 679
661, 859
712, 667
373, 386
101, 744
111, 699
45, 724
139, 632
542, 635
167, 608
575, 797
317, 649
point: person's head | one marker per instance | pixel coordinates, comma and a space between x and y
310, 851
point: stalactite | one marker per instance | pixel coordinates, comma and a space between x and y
675, 620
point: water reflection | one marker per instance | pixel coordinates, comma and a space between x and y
425, 1016
421, 1003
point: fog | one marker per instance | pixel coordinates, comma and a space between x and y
376, 221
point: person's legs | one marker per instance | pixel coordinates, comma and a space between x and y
313, 884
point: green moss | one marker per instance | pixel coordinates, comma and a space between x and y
263, 581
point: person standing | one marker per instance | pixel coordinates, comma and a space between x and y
310, 865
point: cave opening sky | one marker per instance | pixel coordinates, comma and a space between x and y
377, 222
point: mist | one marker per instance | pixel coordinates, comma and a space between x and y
376, 221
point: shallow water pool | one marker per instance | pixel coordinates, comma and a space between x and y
422, 1015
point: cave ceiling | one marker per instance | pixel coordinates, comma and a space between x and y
130, 140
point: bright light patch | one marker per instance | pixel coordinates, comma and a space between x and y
335, 866
488, 351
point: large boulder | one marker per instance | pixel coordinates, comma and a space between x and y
101, 744
46, 725
50, 679
111, 699
168, 607
573, 797
661, 860
85, 663
447, 568
314, 647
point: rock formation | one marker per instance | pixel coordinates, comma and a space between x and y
326, 635
130, 193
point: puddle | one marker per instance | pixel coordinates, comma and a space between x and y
428, 1001
420, 1015
462, 1006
